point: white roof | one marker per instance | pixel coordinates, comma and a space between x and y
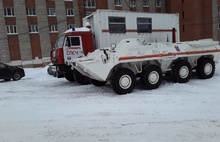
82, 29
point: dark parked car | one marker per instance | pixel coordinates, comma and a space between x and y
11, 72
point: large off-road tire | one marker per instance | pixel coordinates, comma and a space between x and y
58, 74
81, 79
205, 68
182, 71
69, 76
123, 81
97, 83
16, 76
151, 77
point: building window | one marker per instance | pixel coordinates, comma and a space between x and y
69, 12
53, 28
145, 3
30, 11
51, 11
144, 25
9, 11
117, 25
33, 28
11, 29
132, 3
89, 3
70, 26
118, 2
158, 3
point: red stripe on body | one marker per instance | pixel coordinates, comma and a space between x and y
168, 54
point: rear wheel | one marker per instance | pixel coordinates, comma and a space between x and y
69, 76
123, 81
97, 83
205, 68
182, 71
16, 76
151, 77
81, 79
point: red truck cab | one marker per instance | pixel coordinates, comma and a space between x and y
73, 43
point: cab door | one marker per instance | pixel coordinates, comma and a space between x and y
73, 48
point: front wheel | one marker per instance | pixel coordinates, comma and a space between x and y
123, 81
151, 77
69, 76
182, 71
16, 76
81, 79
205, 68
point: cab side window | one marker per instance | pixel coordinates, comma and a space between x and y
72, 41
75, 41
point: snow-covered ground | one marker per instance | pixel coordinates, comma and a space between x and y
41, 108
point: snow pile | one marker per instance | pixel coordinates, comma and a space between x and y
42, 108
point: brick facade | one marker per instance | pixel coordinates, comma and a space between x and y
198, 19
216, 20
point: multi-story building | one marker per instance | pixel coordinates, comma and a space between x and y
85, 7
217, 20
198, 18
29, 28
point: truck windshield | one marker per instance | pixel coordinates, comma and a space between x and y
59, 42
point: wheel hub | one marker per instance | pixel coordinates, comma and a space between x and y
153, 77
208, 69
184, 72
125, 81
16, 76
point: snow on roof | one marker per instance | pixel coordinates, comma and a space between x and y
124, 11
81, 29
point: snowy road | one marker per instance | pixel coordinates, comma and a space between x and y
40, 108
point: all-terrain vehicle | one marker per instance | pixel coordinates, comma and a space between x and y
122, 63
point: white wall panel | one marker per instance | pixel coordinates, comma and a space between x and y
162, 24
